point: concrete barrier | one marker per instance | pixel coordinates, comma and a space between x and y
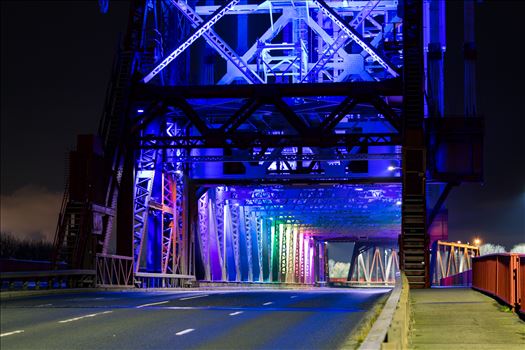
390, 330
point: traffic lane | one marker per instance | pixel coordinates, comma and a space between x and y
114, 299
127, 299
361, 298
211, 329
139, 328
122, 328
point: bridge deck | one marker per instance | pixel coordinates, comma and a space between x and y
462, 318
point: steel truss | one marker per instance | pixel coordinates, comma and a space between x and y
376, 266
263, 112
309, 41
249, 236
451, 259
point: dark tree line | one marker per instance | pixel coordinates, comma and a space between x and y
12, 247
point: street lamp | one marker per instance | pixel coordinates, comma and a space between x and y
477, 242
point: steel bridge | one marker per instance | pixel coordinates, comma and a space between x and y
238, 137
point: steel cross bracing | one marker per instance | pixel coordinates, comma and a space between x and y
329, 12
299, 60
217, 43
340, 41
200, 30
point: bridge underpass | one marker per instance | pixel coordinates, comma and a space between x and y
279, 233
237, 155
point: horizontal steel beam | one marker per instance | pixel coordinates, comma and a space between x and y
299, 181
283, 157
390, 87
250, 140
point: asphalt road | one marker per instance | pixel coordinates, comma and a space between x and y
260, 319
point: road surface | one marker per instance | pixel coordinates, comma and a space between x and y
220, 319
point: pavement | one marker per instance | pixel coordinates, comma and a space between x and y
224, 319
462, 318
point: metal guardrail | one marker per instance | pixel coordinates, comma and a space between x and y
163, 280
501, 276
47, 279
114, 270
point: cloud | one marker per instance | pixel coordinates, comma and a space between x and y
30, 212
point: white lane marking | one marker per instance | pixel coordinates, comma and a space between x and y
43, 305
11, 333
236, 313
151, 304
186, 331
85, 316
268, 303
98, 298
194, 297
293, 296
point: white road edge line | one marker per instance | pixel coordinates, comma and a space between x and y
11, 333
236, 313
194, 297
293, 296
268, 303
151, 304
186, 331
85, 316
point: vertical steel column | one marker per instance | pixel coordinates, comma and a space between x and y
414, 239
203, 234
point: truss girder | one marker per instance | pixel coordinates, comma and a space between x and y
217, 43
340, 42
251, 157
336, 18
376, 266
253, 140
287, 259
200, 30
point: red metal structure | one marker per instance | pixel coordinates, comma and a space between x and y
501, 276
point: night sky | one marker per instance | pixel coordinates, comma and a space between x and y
55, 64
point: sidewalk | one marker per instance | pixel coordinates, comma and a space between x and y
461, 318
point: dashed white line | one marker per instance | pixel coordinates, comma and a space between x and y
194, 297
293, 296
236, 313
268, 303
11, 333
186, 331
85, 316
151, 304
43, 305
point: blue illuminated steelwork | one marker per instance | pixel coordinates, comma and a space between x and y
198, 33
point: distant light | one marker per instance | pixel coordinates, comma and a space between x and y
271, 219
459, 242
178, 172
477, 242
140, 111
358, 188
236, 204
391, 168
399, 203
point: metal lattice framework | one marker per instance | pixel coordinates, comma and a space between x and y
242, 135
451, 258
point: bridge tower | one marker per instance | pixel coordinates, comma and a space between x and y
238, 137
